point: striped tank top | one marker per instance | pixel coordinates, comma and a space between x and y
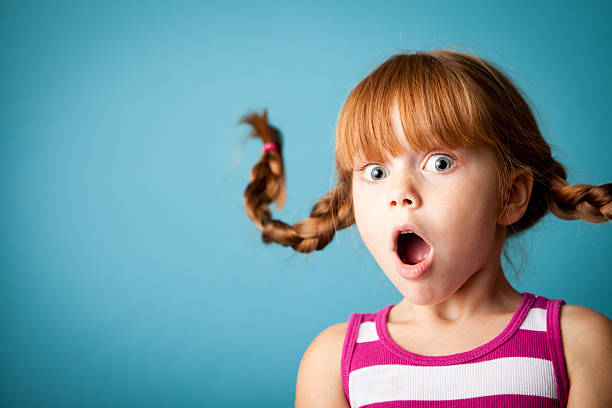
523, 366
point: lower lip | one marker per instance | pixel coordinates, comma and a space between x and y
408, 271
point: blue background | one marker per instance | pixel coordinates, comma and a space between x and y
131, 275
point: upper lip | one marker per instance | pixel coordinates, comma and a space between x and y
398, 229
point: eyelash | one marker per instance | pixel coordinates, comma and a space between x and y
362, 167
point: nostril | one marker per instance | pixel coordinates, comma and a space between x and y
405, 201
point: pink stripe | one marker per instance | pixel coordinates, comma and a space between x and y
368, 317
540, 302
556, 345
347, 350
503, 401
525, 343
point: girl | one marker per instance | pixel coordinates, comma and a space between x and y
439, 159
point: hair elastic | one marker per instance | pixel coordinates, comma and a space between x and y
268, 146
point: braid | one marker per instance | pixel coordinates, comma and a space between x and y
267, 176
580, 201
332, 212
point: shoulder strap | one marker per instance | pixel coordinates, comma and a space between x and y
555, 344
352, 330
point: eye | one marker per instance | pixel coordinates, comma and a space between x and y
375, 172
439, 163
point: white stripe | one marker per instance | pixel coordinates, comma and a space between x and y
535, 320
367, 332
508, 375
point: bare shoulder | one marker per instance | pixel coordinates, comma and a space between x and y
587, 345
585, 330
319, 381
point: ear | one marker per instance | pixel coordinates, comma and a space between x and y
517, 198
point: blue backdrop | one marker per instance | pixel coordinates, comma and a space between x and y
131, 275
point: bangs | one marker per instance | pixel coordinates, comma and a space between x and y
439, 103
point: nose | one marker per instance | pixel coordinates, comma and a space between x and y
404, 194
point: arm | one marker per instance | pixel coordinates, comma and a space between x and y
587, 344
319, 383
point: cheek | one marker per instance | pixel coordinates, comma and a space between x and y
365, 219
467, 213
358, 204
477, 224
360, 214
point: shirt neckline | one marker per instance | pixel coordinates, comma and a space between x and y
509, 330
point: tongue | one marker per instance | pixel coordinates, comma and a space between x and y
411, 248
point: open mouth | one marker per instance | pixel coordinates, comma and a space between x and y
411, 248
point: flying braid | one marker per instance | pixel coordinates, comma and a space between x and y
332, 212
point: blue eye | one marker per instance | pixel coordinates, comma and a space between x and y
439, 163
375, 172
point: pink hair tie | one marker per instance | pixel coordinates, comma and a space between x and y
268, 146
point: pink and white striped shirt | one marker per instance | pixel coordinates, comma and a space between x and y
523, 366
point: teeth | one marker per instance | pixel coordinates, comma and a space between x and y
406, 232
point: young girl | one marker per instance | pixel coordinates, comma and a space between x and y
439, 159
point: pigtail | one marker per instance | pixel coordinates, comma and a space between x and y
268, 175
580, 201
331, 213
